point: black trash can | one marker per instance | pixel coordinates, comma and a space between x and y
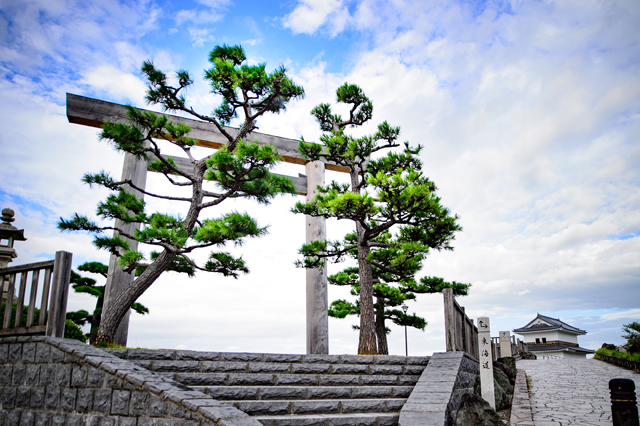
624, 408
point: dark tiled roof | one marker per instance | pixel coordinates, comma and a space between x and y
560, 347
555, 324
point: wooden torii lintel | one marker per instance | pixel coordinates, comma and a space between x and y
95, 112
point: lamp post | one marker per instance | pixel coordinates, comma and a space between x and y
406, 345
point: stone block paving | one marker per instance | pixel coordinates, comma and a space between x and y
572, 392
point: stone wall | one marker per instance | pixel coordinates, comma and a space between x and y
48, 381
436, 397
620, 362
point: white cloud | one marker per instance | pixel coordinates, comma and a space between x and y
310, 15
116, 84
630, 314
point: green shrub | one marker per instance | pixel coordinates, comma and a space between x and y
71, 330
625, 355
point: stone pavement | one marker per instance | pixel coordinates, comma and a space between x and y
572, 392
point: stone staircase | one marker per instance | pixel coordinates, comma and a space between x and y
287, 390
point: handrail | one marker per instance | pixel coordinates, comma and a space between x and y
53, 301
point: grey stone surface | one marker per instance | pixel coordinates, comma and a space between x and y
503, 380
364, 406
52, 398
19, 374
284, 392
305, 368
271, 408
296, 380
572, 392
37, 398
233, 392
177, 366
197, 356
5, 375
316, 407
9, 397
477, 412
282, 358
361, 392
387, 369
225, 367
520, 406
32, 375
120, 402
347, 368
329, 392
47, 375
102, 400
236, 356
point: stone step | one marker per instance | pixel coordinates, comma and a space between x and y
256, 379
328, 406
262, 393
360, 419
180, 355
271, 367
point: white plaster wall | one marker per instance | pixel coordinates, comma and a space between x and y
563, 355
550, 336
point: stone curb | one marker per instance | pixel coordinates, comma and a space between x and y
141, 381
521, 405
436, 397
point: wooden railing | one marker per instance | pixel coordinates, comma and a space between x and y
54, 289
461, 334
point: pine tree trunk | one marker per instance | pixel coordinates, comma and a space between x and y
381, 331
95, 320
367, 344
121, 305
367, 341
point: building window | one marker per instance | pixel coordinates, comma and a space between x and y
537, 340
544, 340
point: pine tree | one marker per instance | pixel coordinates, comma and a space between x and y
392, 287
632, 336
388, 194
240, 169
87, 285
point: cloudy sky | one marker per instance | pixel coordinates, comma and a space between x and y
529, 112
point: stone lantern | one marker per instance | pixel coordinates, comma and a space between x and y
8, 234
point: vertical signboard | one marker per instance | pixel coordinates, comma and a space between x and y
505, 344
486, 361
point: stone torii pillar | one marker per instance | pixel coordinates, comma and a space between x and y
94, 113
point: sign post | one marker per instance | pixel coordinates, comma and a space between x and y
505, 344
486, 361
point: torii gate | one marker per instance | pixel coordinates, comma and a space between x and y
94, 113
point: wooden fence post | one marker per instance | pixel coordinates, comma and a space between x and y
59, 293
449, 320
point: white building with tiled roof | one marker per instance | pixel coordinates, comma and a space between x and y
551, 338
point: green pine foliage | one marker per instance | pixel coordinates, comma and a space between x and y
397, 215
87, 285
241, 168
392, 288
632, 336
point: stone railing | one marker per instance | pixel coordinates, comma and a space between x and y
518, 347
461, 334
51, 292
620, 362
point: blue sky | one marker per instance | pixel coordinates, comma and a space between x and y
529, 113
